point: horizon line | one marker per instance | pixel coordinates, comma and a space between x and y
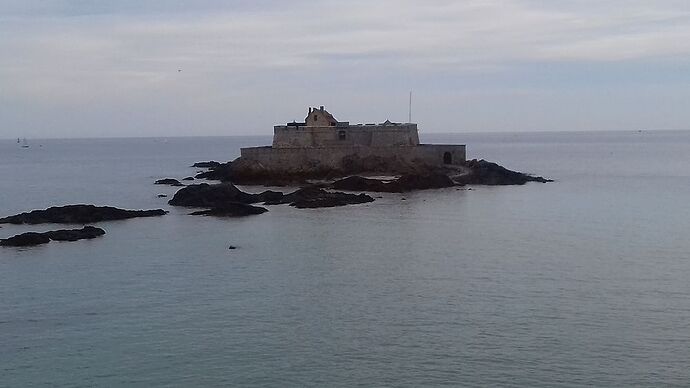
421, 131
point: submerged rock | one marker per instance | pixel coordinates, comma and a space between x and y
189, 178
78, 214
231, 210
35, 238
168, 181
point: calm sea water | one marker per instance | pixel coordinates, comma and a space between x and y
584, 281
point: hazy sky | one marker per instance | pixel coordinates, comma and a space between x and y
80, 68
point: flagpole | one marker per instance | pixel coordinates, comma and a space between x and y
409, 111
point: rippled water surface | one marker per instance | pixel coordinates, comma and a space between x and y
584, 281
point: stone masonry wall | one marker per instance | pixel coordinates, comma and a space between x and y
354, 135
305, 159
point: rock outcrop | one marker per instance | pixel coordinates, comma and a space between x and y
313, 197
488, 173
168, 181
25, 240
226, 198
209, 164
35, 238
408, 182
216, 195
232, 209
87, 232
78, 214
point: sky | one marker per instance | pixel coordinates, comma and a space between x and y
79, 68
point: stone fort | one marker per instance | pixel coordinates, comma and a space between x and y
322, 142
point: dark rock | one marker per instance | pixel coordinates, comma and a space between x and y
168, 181
487, 173
25, 240
231, 210
221, 195
313, 197
162, 195
232, 247
87, 232
205, 195
189, 178
209, 164
407, 182
78, 214
217, 171
35, 238
269, 196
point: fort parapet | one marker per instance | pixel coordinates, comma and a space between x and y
321, 142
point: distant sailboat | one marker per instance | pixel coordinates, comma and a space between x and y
25, 144
18, 141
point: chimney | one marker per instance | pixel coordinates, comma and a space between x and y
309, 110
321, 108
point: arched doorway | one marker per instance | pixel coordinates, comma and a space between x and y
447, 158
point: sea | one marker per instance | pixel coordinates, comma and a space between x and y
584, 281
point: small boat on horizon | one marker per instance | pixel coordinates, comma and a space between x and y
25, 144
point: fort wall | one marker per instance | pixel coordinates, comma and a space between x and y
292, 160
288, 136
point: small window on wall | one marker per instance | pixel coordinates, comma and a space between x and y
314, 117
341, 135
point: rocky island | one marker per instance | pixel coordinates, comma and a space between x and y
323, 154
323, 148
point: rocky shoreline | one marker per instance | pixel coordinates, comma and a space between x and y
318, 189
226, 200
478, 172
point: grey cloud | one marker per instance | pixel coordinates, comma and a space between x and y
114, 57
